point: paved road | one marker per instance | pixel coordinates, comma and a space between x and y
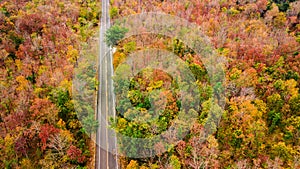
106, 140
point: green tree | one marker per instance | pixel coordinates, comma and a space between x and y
90, 124
114, 34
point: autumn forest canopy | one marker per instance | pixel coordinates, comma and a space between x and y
49, 82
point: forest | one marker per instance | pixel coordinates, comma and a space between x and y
48, 84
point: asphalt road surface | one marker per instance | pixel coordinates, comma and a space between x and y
106, 144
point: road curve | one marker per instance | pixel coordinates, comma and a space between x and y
106, 145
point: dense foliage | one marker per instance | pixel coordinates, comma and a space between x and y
39, 46
260, 124
42, 40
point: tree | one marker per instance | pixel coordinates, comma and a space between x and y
174, 162
75, 154
90, 124
132, 165
114, 34
45, 133
294, 103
